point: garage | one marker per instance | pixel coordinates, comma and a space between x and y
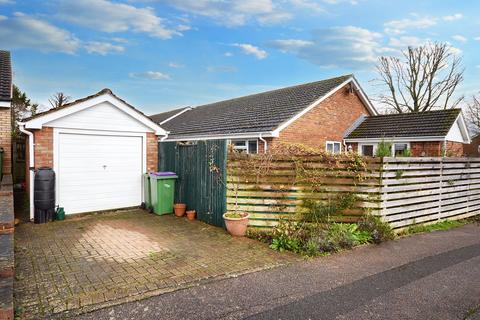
98, 147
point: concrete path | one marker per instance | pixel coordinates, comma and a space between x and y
427, 276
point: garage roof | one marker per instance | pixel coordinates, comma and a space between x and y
420, 124
36, 121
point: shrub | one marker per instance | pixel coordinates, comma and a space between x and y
384, 149
379, 230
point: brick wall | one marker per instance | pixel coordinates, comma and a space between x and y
426, 149
43, 148
6, 139
328, 121
152, 152
455, 149
471, 149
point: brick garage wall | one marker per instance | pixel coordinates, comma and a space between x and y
152, 152
327, 121
455, 149
471, 150
6, 139
426, 149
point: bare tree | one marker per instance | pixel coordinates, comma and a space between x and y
473, 112
423, 78
59, 99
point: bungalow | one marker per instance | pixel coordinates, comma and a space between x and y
433, 133
316, 114
332, 114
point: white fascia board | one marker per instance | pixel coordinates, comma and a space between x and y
5, 104
396, 139
252, 135
363, 97
464, 127
37, 123
176, 115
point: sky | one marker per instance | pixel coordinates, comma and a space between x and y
164, 54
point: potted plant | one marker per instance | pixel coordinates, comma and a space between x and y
179, 209
191, 215
236, 222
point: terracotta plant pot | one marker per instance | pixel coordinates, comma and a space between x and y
179, 209
191, 215
236, 223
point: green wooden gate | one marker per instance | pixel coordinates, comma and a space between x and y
197, 186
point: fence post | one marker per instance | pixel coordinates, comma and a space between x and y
383, 195
440, 190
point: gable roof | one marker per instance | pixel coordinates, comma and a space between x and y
253, 114
5, 76
36, 121
419, 124
161, 117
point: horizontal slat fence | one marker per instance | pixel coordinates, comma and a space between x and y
405, 191
425, 190
278, 191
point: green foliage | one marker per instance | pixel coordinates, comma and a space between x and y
442, 225
406, 153
21, 107
235, 215
399, 174
384, 149
321, 211
379, 230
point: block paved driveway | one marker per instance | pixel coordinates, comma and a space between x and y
86, 263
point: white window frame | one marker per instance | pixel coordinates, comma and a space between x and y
375, 145
394, 143
360, 147
333, 146
246, 147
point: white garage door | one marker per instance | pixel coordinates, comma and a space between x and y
98, 172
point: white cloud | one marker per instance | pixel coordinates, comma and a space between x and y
103, 48
175, 65
228, 54
345, 47
406, 41
416, 22
113, 17
234, 12
453, 17
6, 2
308, 5
153, 75
353, 2
477, 38
252, 50
222, 69
290, 45
24, 31
459, 38
183, 27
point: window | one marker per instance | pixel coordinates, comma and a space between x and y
247, 146
400, 149
367, 150
334, 147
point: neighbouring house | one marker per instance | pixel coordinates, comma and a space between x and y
5, 110
316, 114
473, 149
433, 133
98, 146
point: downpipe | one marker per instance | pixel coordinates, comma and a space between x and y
31, 164
265, 144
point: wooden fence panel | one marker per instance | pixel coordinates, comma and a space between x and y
278, 191
404, 191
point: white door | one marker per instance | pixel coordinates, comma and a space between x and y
98, 172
